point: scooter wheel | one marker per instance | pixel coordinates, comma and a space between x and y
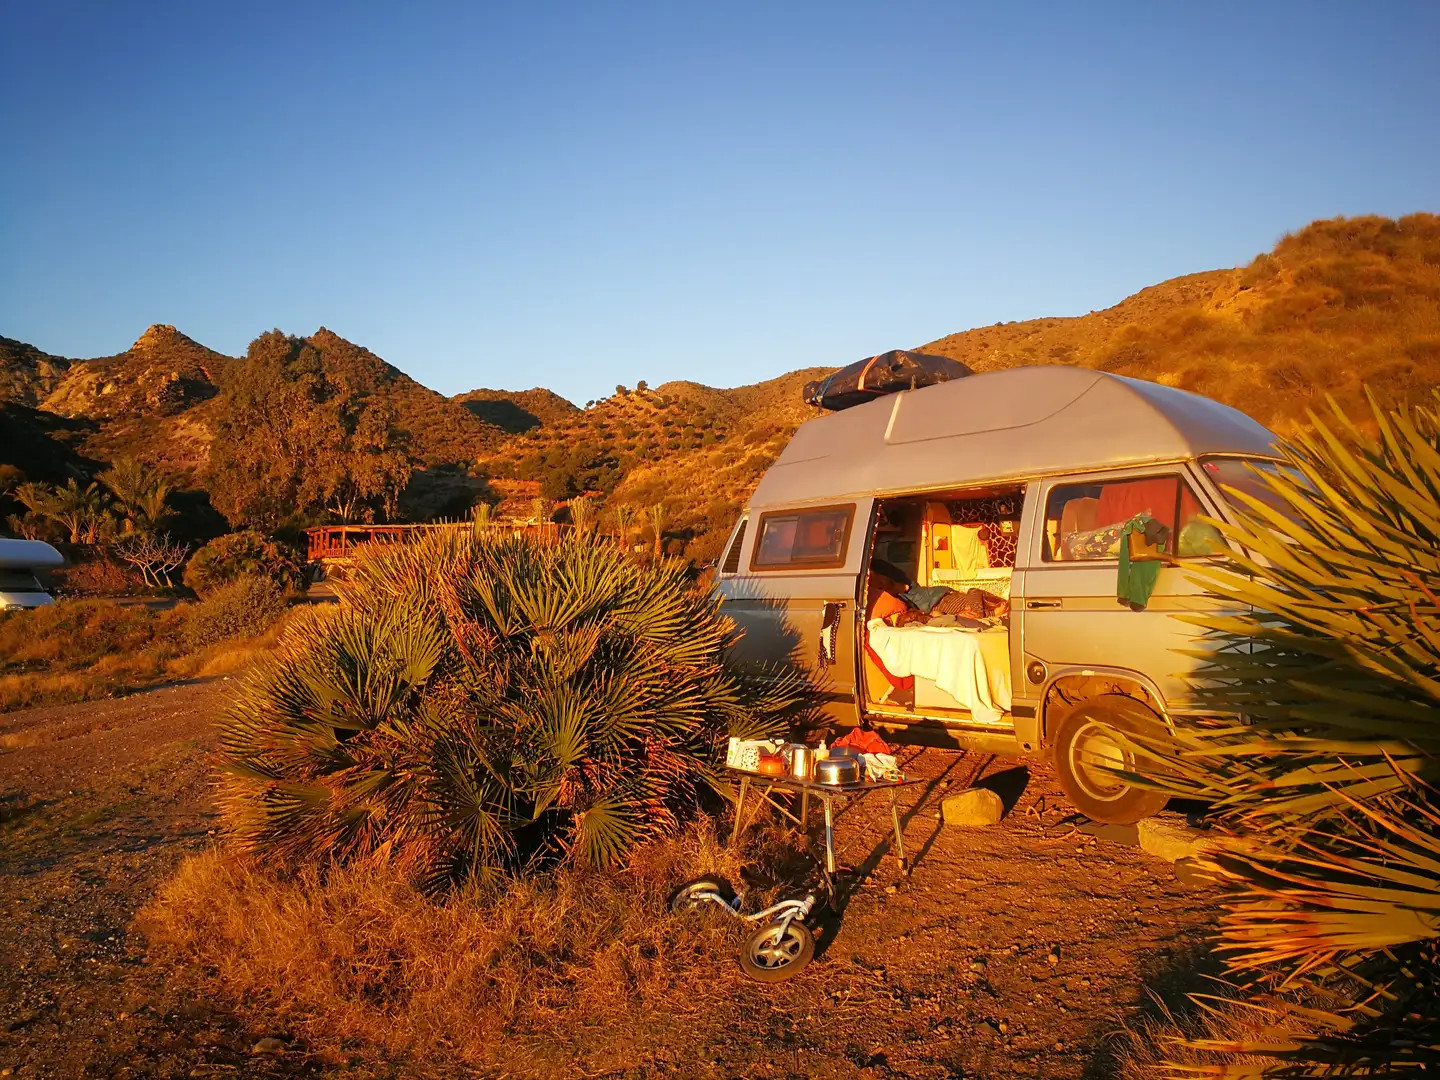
778, 952
690, 896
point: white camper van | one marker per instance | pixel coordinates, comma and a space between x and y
1025, 485
20, 561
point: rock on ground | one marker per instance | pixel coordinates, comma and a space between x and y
976, 807
1170, 839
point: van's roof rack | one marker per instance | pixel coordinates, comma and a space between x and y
886, 373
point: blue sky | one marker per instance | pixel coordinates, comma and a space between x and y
577, 195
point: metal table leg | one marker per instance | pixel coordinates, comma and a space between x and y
829, 834
899, 835
739, 811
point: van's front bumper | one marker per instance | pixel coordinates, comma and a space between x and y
24, 599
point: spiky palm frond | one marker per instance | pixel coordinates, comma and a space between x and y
1326, 790
476, 699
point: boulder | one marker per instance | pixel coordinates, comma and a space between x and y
976, 807
1170, 838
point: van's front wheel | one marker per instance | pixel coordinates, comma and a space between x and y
1087, 749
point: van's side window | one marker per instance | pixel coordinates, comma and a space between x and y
801, 539
1086, 522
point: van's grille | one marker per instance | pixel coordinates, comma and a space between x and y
732, 557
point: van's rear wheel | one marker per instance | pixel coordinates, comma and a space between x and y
1087, 749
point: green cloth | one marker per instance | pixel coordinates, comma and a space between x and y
1136, 580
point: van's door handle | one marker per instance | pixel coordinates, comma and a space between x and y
1032, 604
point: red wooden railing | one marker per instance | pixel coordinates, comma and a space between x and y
330, 542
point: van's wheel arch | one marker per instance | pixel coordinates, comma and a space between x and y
1084, 745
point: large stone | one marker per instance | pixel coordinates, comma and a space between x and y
1170, 838
976, 807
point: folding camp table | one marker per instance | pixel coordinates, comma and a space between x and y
829, 795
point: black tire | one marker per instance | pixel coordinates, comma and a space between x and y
1085, 748
773, 955
684, 897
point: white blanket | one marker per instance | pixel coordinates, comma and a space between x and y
949, 657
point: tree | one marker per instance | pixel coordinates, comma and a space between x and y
141, 493
155, 555
291, 439
82, 512
642, 386
658, 518
582, 515
624, 517
243, 554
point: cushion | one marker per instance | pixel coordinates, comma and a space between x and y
885, 605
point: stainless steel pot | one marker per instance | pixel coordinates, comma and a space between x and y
802, 762
838, 770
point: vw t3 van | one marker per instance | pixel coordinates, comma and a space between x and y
1019, 483
20, 561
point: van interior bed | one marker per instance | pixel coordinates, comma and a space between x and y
948, 657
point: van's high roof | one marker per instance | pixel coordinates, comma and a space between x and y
1002, 425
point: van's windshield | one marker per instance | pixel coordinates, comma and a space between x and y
1248, 475
17, 581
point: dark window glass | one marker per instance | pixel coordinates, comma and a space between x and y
803, 538
19, 581
731, 565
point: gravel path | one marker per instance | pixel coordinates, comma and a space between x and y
1014, 951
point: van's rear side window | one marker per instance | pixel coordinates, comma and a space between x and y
814, 538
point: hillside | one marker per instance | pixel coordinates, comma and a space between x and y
155, 401
1337, 304
27, 375
517, 411
442, 431
1340, 303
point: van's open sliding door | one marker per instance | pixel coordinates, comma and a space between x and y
795, 590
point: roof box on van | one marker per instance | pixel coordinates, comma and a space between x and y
888, 373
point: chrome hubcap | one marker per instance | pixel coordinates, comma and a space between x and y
774, 949
1094, 751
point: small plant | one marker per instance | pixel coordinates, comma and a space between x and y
244, 607
242, 554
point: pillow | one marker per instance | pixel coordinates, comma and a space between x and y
886, 605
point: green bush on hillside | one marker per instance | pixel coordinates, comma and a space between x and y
241, 554
244, 607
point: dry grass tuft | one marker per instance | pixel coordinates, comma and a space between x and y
518, 973
82, 650
1166, 1046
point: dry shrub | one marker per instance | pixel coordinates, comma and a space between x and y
243, 607
82, 650
97, 577
1155, 1049
520, 972
29, 691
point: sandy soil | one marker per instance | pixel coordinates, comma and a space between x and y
1015, 951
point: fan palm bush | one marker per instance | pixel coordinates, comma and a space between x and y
1326, 795
478, 702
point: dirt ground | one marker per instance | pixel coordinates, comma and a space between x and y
1021, 950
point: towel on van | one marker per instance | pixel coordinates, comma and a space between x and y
1135, 581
